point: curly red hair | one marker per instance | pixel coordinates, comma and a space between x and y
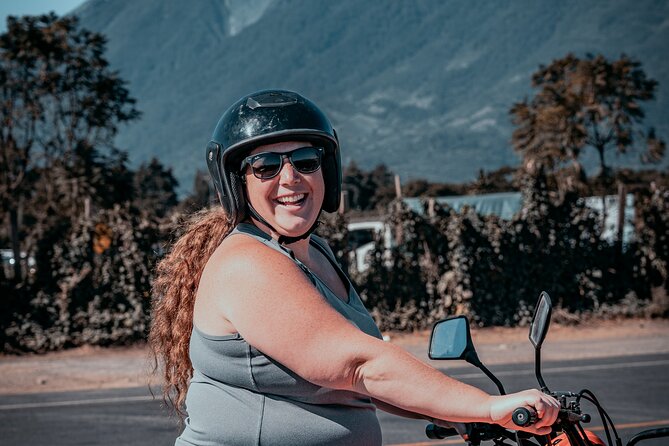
174, 288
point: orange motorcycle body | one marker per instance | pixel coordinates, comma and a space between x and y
562, 440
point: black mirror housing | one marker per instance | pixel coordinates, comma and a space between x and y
541, 320
451, 339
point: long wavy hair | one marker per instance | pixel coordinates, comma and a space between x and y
174, 288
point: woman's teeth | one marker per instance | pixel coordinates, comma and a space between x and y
291, 199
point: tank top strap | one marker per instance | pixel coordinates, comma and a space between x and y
324, 248
354, 302
262, 236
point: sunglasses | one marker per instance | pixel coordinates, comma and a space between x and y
267, 165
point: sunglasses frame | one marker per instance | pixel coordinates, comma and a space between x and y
249, 160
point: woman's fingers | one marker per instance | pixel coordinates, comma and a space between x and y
545, 406
547, 409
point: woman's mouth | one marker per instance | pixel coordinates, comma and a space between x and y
291, 200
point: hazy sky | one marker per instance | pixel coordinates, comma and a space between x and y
34, 7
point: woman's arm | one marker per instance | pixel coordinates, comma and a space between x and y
274, 306
398, 411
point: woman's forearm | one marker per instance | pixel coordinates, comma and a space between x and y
399, 379
386, 407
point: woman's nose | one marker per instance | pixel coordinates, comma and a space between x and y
288, 173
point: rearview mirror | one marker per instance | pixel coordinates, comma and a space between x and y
541, 320
450, 339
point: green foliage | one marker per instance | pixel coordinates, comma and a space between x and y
202, 194
399, 287
653, 254
492, 270
368, 190
580, 103
59, 103
333, 228
155, 188
92, 282
92, 225
499, 180
95, 227
423, 188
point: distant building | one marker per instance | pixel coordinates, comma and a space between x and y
503, 204
507, 204
362, 236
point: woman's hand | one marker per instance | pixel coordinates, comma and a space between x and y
545, 406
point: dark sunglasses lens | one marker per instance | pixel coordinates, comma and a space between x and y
306, 160
266, 165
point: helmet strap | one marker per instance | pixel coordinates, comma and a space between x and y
283, 239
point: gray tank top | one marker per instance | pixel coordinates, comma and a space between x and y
240, 396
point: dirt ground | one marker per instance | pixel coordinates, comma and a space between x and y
90, 368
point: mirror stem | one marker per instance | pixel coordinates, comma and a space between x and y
537, 370
494, 379
472, 358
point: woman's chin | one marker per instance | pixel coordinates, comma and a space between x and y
295, 226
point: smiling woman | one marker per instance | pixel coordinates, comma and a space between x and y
288, 196
259, 331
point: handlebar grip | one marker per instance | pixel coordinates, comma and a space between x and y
435, 432
524, 417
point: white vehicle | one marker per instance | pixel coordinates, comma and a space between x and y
7, 257
362, 237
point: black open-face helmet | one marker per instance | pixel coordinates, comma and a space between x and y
268, 117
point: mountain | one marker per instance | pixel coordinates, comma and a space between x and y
421, 85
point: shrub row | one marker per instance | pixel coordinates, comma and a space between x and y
92, 279
91, 285
461, 263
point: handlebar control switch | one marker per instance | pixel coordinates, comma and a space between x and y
524, 417
435, 432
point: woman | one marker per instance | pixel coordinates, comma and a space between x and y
256, 320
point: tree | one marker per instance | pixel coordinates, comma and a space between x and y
354, 183
580, 103
155, 188
201, 196
381, 181
423, 188
368, 190
59, 100
500, 180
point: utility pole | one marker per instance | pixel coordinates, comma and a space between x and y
398, 204
398, 188
622, 199
343, 203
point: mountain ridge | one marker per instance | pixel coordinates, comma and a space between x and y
429, 79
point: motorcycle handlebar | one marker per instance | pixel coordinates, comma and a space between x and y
435, 432
523, 417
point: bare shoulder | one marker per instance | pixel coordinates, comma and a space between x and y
240, 269
242, 253
241, 265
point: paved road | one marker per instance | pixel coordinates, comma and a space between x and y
634, 389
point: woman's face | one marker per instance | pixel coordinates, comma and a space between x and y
291, 201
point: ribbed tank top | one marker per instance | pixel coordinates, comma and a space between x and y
240, 396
